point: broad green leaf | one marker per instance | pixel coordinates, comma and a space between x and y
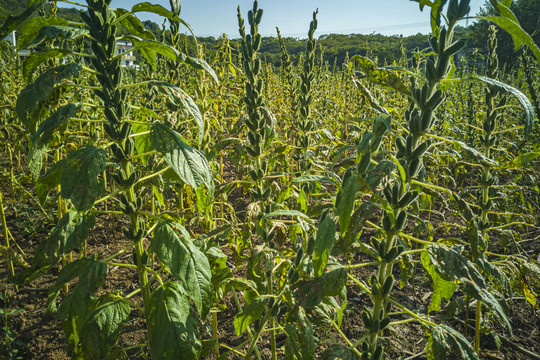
339, 352
382, 171
519, 35
58, 119
39, 142
30, 29
79, 176
54, 32
188, 163
133, 24
445, 339
441, 288
69, 272
278, 213
156, 9
451, 264
12, 22
35, 159
324, 241
358, 219
346, 203
312, 292
253, 311
160, 10
526, 158
312, 178
475, 154
80, 301
172, 324
149, 48
142, 142
48, 181
186, 263
300, 343
38, 58
199, 64
522, 98
100, 332
30, 101
181, 99
302, 201
69, 234
381, 76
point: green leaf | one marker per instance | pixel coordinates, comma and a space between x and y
160, 10
58, 119
79, 176
181, 99
69, 272
172, 324
251, 312
300, 343
100, 332
30, 101
445, 338
381, 76
55, 32
80, 301
188, 163
346, 203
156, 9
522, 98
326, 235
441, 288
38, 58
149, 48
200, 64
279, 213
30, 29
339, 352
382, 171
186, 263
48, 181
526, 158
12, 22
451, 264
312, 292
475, 154
133, 24
313, 178
142, 142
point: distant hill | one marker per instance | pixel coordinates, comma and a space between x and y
15, 7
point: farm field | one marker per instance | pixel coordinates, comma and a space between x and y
208, 205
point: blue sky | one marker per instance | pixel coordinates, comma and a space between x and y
388, 17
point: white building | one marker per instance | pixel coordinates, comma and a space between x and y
128, 57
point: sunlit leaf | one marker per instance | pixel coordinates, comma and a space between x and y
253, 311
522, 98
323, 245
381, 76
188, 163
79, 176
186, 263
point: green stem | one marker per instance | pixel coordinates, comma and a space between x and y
6, 236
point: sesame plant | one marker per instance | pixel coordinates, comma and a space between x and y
166, 285
254, 212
